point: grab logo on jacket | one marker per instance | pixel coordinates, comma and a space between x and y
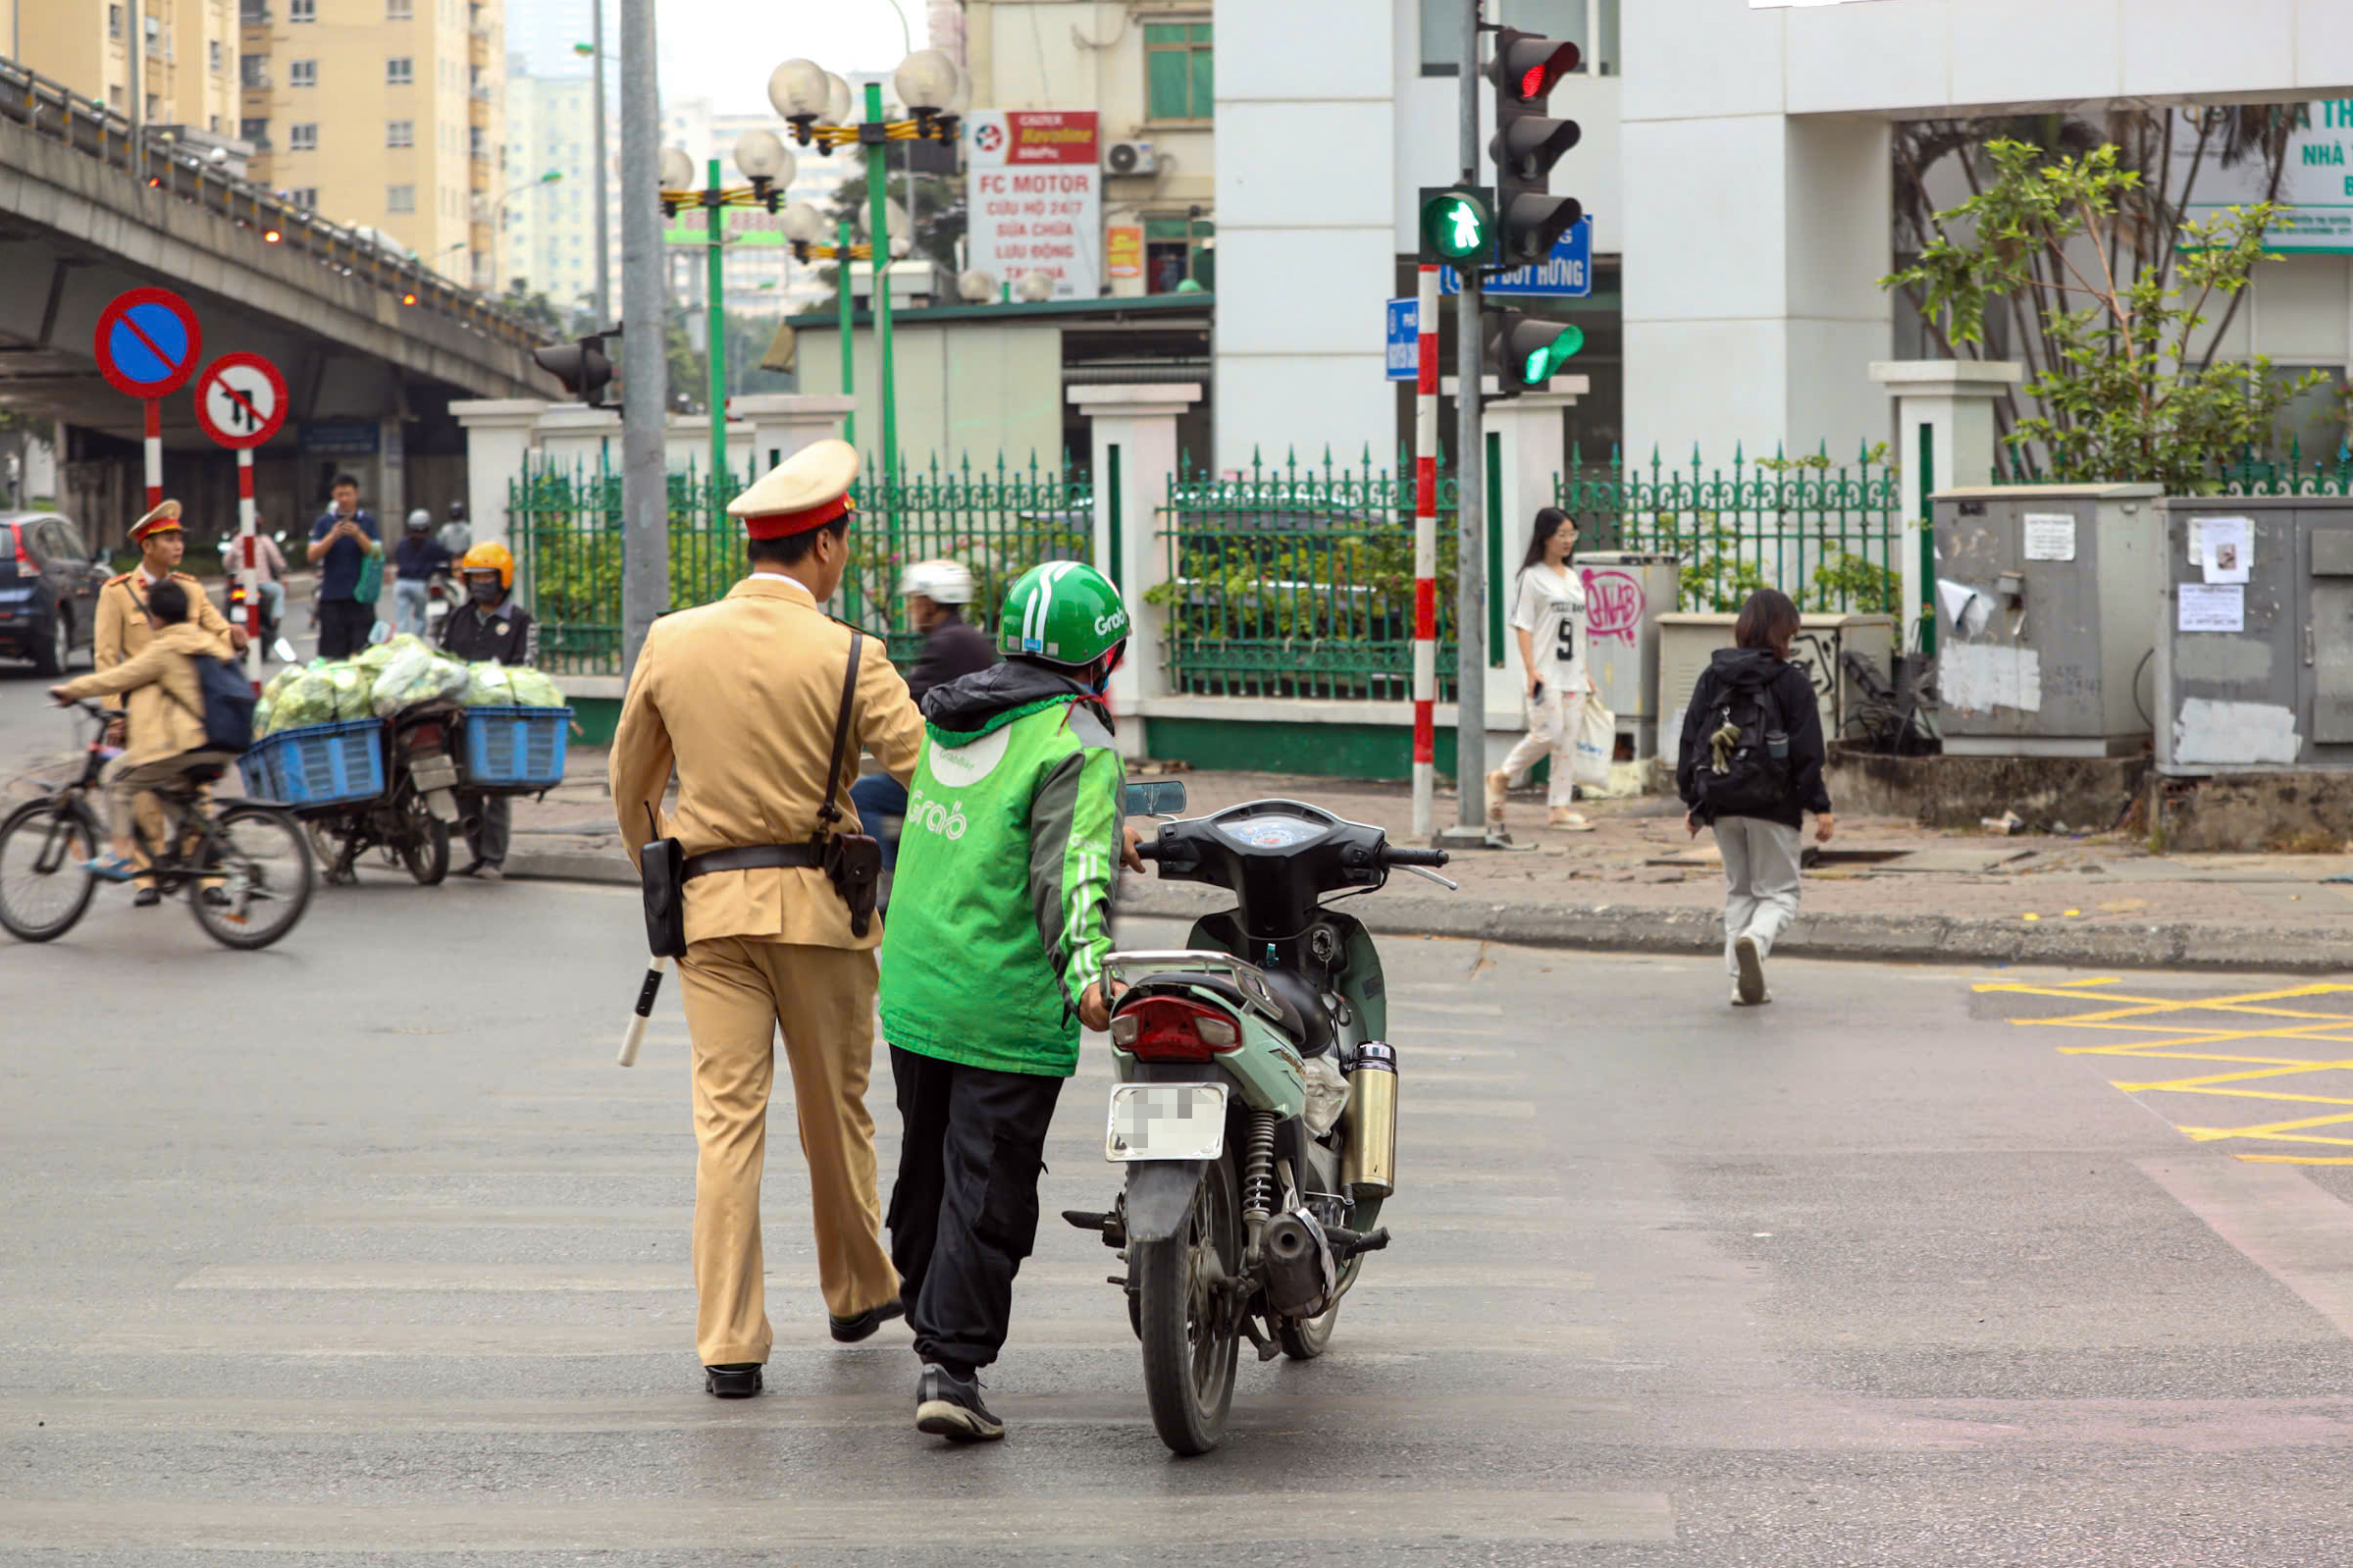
948, 821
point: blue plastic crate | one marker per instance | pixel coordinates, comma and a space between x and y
514, 748
318, 764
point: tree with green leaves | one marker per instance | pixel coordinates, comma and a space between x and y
2128, 388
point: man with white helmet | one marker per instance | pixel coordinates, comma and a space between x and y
417, 558
938, 592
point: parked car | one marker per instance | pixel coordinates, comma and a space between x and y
49, 586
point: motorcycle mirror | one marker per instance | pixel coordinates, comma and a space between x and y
283, 652
1156, 797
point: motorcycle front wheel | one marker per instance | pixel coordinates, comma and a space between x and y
1191, 1335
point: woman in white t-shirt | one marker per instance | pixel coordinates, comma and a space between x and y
1547, 617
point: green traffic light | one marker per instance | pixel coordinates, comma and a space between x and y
1458, 225
1542, 362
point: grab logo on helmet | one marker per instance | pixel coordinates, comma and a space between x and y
1117, 620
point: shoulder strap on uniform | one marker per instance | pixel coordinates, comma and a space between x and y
119, 577
828, 813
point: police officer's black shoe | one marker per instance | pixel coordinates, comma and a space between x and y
146, 898
849, 1331
738, 1379
948, 1406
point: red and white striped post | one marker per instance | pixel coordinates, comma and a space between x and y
155, 453
1424, 554
249, 571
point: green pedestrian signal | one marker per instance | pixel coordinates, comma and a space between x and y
1457, 223
1525, 351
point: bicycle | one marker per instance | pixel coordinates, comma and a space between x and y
246, 866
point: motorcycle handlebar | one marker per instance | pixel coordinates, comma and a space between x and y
1147, 849
1394, 854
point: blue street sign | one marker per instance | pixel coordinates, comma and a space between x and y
1404, 343
1568, 272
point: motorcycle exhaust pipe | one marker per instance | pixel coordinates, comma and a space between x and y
1369, 1161
1301, 1273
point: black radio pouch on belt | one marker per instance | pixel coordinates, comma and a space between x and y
661, 874
852, 860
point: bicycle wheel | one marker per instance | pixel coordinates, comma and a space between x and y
44, 888
263, 861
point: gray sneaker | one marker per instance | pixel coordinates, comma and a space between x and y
949, 1406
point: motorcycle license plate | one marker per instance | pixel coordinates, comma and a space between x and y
434, 774
1166, 1122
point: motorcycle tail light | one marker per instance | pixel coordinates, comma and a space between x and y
425, 737
1167, 1028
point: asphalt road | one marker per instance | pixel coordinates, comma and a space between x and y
362, 1247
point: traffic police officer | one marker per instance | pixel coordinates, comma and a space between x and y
741, 697
123, 630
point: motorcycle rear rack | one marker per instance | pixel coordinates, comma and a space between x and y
1129, 967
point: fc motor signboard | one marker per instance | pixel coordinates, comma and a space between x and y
1036, 197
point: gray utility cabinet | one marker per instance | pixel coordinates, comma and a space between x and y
1625, 594
2056, 589
1688, 644
2277, 691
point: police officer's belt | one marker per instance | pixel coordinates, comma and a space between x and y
754, 857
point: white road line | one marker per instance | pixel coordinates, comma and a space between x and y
787, 1520
510, 1279
2287, 1225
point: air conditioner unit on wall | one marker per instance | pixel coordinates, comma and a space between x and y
1130, 158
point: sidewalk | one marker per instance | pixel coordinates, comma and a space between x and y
1886, 889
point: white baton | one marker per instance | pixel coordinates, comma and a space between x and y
635, 1036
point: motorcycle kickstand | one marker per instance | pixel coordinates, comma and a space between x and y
1268, 1349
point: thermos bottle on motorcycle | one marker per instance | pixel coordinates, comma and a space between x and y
1255, 1107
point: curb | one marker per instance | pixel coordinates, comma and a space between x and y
1621, 928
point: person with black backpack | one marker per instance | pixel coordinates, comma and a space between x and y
184, 716
1750, 766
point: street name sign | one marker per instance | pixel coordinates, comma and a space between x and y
1404, 338
1568, 273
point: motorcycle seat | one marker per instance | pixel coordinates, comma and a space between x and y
1307, 1026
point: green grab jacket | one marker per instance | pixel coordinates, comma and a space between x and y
1000, 907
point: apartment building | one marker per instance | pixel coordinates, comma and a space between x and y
386, 114
186, 72
548, 229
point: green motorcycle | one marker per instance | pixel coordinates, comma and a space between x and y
1256, 1104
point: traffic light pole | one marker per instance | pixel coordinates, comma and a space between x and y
645, 370
1470, 552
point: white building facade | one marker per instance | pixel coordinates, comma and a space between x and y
548, 229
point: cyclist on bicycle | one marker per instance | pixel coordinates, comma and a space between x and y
167, 718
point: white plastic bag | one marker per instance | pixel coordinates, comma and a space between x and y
1597, 743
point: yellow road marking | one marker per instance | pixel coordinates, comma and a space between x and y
2272, 1129
2186, 1085
2296, 1159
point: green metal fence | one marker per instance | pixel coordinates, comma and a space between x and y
564, 526
1829, 535
999, 520
1299, 582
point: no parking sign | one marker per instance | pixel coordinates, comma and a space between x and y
148, 343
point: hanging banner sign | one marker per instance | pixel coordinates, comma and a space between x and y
1034, 194
2316, 183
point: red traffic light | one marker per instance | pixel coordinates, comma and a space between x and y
1526, 66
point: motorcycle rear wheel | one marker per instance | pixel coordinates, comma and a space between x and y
425, 846
1190, 1338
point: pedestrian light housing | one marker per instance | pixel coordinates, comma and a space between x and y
1525, 351
581, 366
1458, 224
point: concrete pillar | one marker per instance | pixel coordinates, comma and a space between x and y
782, 423
391, 475
498, 438
1134, 455
1944, 437
686, 444
1753, 257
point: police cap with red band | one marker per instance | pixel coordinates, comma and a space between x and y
807, 489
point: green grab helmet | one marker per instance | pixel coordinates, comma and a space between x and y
1065, 613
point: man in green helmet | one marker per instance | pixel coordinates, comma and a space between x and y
999, 927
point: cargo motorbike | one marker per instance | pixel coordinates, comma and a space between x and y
1255, 1102
411, 820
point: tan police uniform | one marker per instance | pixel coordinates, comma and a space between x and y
740, 698
123, 632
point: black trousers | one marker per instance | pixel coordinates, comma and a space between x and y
344, 625
487, 820
963, 1211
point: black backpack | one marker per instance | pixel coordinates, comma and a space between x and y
1743, 763
227, 711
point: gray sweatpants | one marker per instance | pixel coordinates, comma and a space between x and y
1760, 881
